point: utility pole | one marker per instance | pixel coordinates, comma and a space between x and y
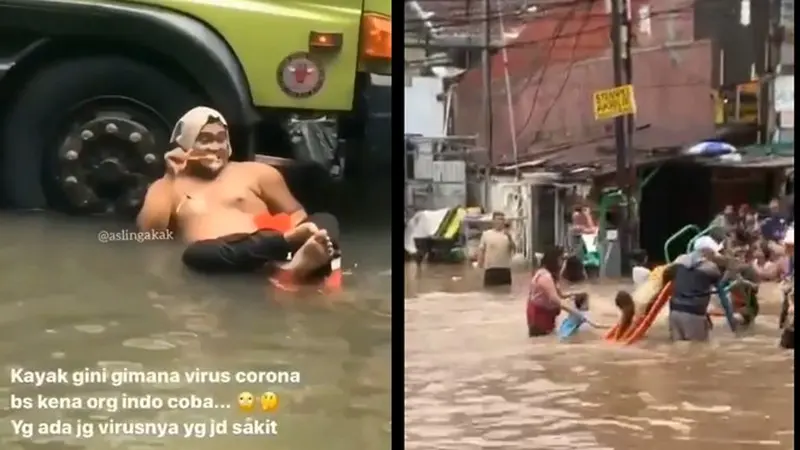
617, 44
772, 48
633, 179
486, 64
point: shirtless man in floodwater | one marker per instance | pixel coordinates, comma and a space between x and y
213, 204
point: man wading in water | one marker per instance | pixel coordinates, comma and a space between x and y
496, 250
695, 277
216, 205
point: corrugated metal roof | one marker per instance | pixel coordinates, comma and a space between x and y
773, 149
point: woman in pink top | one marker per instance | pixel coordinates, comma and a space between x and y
545, 301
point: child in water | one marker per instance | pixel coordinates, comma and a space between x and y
627, 310
573, 321
623, 301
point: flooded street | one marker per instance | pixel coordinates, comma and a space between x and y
70, 302
475, 381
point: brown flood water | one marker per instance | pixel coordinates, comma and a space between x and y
474, 380
68, 301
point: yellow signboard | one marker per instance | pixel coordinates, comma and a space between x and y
616, 102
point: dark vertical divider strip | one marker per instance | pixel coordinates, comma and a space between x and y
398, 225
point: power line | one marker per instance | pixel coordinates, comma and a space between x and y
543, 11
517, 44
529, 19
536, 61
543, 71
605, 28
563, 83
430, 43
464, 17
557, 34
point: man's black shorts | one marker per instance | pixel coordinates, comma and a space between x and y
250, 252
497, 277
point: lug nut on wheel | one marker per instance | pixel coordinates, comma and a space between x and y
111, 128
71, 155
86, 135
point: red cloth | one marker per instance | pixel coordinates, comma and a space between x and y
542, 318
541, 314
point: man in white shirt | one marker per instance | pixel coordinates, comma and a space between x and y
495, 252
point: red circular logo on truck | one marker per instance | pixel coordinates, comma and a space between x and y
299, 76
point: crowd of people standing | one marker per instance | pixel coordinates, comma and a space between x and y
756, 237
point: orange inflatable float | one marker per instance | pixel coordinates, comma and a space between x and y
274, 222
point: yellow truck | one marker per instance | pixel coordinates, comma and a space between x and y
90, 89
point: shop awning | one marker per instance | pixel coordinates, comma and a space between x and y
751, 162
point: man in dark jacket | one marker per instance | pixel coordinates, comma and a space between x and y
694, 278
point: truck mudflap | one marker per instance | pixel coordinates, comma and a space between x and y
307, 180
317, 141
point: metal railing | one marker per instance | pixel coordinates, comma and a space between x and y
435, 171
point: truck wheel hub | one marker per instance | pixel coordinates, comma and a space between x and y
111, 170
104, 159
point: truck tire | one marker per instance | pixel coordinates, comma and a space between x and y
38, 120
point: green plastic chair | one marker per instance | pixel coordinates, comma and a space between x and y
692, 240
687, 229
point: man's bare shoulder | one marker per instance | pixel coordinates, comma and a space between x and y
161, 185
255, 168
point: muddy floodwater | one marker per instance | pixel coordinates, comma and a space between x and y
68, 301
475, 381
